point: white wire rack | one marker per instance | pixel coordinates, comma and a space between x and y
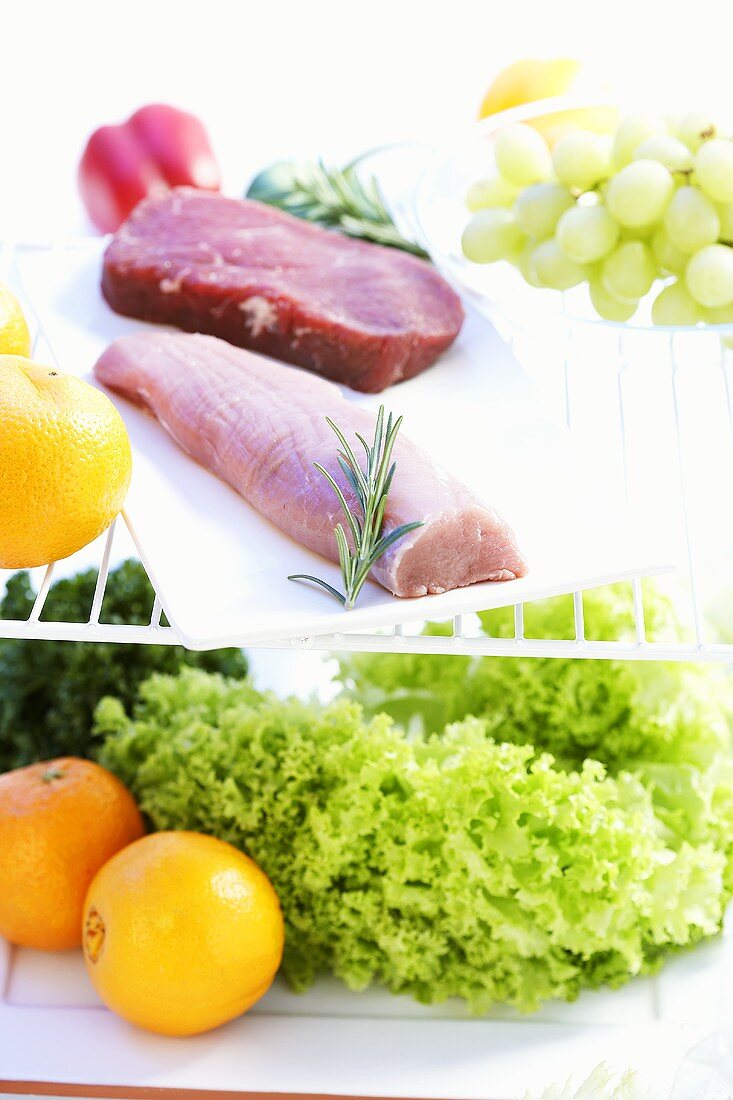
661, 406
93, 630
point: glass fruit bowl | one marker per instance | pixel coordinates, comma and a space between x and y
498, 290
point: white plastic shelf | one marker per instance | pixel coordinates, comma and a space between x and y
345, 1044
661, 405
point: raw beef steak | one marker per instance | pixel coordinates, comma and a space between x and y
355, 312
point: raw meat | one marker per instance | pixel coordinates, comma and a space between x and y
261, 426
355, 312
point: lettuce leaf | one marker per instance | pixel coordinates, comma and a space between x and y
466, 862
619, 712
602, 1084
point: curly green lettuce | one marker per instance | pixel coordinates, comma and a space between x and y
457, 864
619, 712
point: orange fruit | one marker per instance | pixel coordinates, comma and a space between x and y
59, 822
65, 463
15, 338
182, 932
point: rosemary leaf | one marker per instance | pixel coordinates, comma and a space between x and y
332, 197
316, 580
351, 478
386, 541
371, 487
351, 519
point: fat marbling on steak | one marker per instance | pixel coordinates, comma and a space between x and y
261, 426
355, 312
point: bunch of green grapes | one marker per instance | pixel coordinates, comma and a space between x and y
652, 202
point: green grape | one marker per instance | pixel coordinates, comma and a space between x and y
675, 306
670, 259
638, 195
629, 271
723, 315
492, 192
667, 150
709, 276
695, 128
630, 134
539, 207
587, 233
581, 159
725, 213
714, 169
691, 220
522, 155
553, 268
491, 235
525, 265
608, 305
640, 233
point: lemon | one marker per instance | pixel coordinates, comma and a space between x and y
532, 80
15, 339
527, 81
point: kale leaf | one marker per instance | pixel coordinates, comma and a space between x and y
48, 690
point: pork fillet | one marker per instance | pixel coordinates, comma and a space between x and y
261, 426
358, 313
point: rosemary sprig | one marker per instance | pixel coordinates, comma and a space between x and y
334, 197
371, 487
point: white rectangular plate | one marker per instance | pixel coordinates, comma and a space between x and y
221, 569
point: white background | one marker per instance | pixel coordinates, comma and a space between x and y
307, 76
274, 79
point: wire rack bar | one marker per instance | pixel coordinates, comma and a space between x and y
696, 602
88, 632
42, 594
101, 585
639, 624
156, 614
386, 643
578, 616
509, 647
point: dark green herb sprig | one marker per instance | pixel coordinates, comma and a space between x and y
371, 487
337, 198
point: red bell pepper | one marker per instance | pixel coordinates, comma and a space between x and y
158, 147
